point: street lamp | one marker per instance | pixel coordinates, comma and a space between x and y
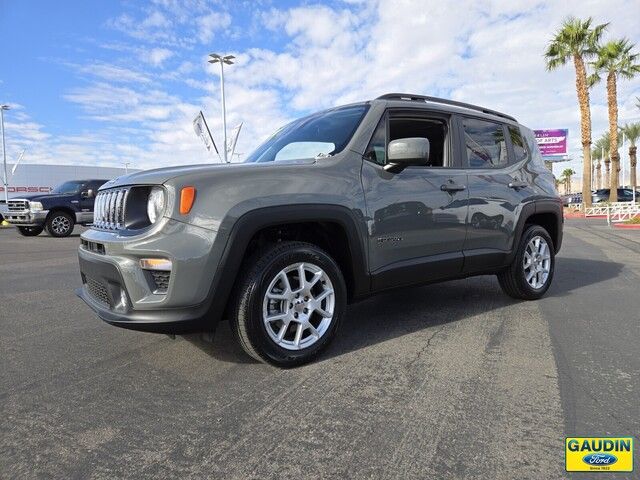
4, 154
215, 58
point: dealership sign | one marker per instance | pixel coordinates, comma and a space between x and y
552, 143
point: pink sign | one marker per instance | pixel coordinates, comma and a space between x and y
552, 143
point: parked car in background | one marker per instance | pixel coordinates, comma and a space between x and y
571, 199
624, 195
58, 211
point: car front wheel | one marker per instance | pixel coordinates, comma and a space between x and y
289, 304
60, 224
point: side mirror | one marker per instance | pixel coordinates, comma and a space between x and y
87, 194
405, 152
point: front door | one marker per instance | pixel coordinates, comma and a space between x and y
417, 217
85, 203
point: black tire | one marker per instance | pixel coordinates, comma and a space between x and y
513, 280
247, 313
30, 231
60, 224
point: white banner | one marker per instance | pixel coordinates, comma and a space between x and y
202, 130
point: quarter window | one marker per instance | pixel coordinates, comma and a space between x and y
485, 142
377, 150
519, 148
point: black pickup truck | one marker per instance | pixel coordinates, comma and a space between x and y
58, 211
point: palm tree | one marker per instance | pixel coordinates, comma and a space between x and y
617, 59
604, 144
566, 175
577, 40
632, 132
596, 154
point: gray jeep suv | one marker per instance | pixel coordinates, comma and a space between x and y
398, 191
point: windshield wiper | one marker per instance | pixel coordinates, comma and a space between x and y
322, 155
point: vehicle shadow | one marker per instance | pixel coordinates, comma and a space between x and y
407, 310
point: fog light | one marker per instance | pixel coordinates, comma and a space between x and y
155, 264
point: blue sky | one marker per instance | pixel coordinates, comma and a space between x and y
108, 82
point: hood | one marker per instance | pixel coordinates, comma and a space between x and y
39, 197
160, 176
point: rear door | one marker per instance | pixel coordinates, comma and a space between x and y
417, 217
495, 161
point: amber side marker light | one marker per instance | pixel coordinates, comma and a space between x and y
187, 196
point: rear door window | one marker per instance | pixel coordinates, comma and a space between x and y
485, 143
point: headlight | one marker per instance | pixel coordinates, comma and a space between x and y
35, 206
155, 204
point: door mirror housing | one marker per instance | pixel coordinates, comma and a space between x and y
87, 194
405, 152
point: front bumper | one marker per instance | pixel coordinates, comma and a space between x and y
26, 218
123, 294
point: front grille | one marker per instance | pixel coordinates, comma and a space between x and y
98, 291
161, 280
109, 209
18, 205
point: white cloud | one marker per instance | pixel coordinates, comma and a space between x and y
157, 56
112, 73
211, 23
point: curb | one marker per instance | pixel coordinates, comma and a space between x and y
627, 226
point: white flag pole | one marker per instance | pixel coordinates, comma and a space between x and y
15, 165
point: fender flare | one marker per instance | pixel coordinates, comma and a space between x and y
242, 229
538, 206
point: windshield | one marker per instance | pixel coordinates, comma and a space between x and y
68, 187
319, 135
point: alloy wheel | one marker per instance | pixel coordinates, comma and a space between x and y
60, 225
298, 306
537, 262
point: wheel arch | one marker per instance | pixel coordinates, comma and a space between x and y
64, 209
333, 228
547, 214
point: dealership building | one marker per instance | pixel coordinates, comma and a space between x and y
30, 178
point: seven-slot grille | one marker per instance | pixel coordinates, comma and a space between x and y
109, 209
18, 205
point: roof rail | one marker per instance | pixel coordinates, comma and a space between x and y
423, 98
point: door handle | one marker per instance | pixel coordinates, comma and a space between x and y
518, 184
452, 187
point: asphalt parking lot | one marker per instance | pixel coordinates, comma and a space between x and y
453, 380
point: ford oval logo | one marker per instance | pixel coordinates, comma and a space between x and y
599, 459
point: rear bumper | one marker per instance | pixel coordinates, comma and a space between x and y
105, 292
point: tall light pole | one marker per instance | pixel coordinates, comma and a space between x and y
4, 155
215, 58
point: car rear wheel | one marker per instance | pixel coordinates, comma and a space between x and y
289, 304
60, 224
530, 274
30, 231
